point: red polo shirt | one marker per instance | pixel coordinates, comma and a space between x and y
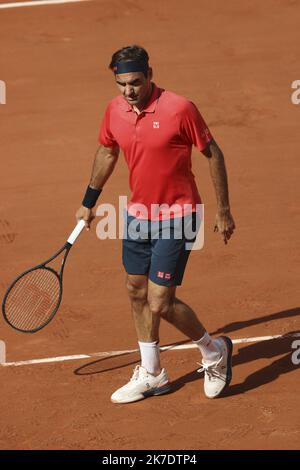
157, 145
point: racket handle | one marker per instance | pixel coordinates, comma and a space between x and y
76, 232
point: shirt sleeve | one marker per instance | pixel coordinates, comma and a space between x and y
106, 136
193, 127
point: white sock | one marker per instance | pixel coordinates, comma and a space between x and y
150, 357
209, 349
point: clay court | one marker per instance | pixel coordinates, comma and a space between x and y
236, 61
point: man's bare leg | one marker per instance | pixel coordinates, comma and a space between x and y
146, 322
162, 302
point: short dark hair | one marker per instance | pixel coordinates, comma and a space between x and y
129, 53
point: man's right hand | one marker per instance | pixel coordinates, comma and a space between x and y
85, 214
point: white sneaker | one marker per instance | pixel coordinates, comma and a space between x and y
142, 385
217, 376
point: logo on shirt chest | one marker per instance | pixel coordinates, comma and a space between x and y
155, 124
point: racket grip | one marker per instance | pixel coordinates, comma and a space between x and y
76, 232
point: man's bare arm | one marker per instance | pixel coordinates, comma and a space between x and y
224, 220
104, 164
218, 174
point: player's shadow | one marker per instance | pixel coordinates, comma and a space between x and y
264, 349
108, 364
254, 352
238, 325
283, 364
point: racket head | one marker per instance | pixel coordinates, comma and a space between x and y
33, 299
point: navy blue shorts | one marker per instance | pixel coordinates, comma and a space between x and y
159, 249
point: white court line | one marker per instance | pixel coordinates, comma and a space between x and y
36, 3
48, 360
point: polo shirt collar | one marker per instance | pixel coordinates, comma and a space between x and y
150, 106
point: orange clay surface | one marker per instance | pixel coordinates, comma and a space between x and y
237, 63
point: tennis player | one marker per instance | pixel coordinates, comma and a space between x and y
156, 130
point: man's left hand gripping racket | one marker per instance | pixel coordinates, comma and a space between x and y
35, 296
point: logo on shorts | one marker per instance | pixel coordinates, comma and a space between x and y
163, 275
155, 125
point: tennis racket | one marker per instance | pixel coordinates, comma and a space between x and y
34, 297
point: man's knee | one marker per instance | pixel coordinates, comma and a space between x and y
137, 289
160, 305
161, 299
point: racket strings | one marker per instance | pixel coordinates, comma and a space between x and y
33, 299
